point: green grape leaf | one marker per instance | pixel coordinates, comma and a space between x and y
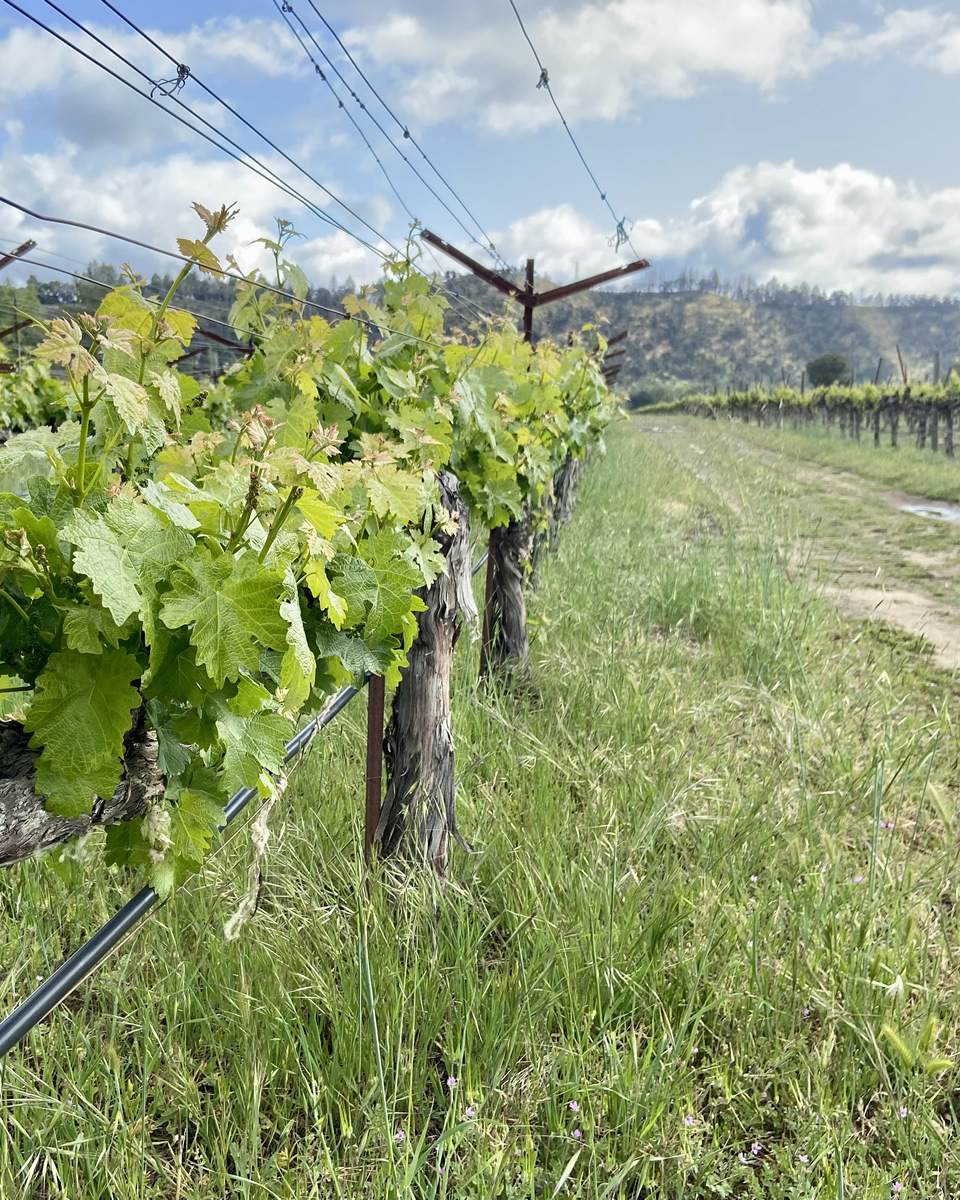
80, 711
299, 669
181, 323
173, 757
356, 656
397, 492
396, 578
251, 697
228, 602
174, 674
340, 386
253, 744
128, 397
129, 311
26, 455
166, 874
160, 496
168, 387
126, 846
195, 821
40, 531
325, 519
125, 552
64, 344
299, 420
53, 500
12, 702
88, 628
354, 581
319, 586
202, 255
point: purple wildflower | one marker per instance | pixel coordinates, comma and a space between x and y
399, 1136
903, 1110
470, 1111
688, 1120
451, 1081
898, 1186
804, 1157
756, 1148
573, 1106
577, 1134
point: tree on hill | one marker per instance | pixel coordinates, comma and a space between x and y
828, 368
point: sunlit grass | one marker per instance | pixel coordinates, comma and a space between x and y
714, 854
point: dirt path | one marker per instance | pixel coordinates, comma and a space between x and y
853, 538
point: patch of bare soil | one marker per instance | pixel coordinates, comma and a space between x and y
937, 563
852, 572
910, 611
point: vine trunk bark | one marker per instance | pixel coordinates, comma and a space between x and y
26, 828
419, 814
508, 648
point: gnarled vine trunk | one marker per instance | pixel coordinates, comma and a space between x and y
565, 493
419, 814
25, 825
505, 622
556, 511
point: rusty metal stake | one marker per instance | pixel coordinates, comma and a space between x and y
375, 700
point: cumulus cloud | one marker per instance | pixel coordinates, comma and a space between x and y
606, 56
151, 201
839, 227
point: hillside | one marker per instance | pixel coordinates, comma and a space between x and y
711, 340
706, 337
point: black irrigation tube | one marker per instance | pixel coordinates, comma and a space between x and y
83, 962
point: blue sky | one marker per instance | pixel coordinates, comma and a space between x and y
810, 141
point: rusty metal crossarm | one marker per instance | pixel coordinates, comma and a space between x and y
570, 289
14, 328
229, 342
491, 277
7, 259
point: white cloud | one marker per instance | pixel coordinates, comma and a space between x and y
946, 54
151, 201
66, 96
606, 56
839, 227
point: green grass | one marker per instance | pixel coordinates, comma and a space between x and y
905, 468
683, 915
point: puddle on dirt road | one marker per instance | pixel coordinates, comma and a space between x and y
936, 512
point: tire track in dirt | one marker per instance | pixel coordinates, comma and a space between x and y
859, 548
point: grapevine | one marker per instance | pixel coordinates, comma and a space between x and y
197, 570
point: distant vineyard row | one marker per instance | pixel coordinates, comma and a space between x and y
923, 411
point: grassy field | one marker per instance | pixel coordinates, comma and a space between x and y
920, 472
706, 944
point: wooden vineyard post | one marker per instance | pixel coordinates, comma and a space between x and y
506, 626
374, 789
948, 431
